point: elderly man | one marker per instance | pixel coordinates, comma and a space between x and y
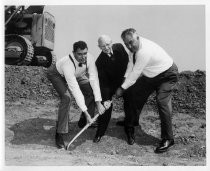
149, 69
69, 73
111, 65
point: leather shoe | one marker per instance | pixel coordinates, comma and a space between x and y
59, 140
131, 139
97, 139
130, 135
164, 145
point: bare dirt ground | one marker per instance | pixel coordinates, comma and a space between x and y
30, 130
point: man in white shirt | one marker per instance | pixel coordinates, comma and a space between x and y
76, 73
149, 69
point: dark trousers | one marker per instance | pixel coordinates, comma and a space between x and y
103, 120
136, 96
61, 87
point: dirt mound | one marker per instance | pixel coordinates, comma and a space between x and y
189, 95
29, 82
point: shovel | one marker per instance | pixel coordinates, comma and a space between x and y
107, 105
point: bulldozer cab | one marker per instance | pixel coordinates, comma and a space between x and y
43, 26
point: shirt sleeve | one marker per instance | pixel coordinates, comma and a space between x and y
93, 78
141, 62
73, 85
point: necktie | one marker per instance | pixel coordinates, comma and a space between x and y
111, 56
134, 59
80, 64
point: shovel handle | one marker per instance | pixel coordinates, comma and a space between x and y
83, 129
87, 125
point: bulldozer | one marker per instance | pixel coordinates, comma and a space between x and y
29, 36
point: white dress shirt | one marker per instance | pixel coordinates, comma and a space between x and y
66, 68
151, 60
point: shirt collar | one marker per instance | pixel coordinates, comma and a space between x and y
111, 53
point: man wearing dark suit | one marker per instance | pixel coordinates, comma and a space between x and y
111, 65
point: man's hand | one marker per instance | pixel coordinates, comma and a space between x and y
107, 104
119, 92
100, 108
87, 115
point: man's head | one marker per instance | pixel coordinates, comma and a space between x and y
80, 50
105, 43
131, 39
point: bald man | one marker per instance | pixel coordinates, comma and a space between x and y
111, 64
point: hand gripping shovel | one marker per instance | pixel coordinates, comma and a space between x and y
107, 105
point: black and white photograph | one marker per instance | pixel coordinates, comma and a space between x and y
119, 83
